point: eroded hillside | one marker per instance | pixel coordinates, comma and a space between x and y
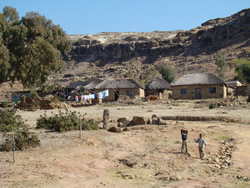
188, 51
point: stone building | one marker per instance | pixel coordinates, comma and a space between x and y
120, 87
158, 87
199, 86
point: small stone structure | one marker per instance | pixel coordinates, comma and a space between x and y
106, 119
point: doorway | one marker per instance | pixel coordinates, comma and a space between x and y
116, 95
197, 93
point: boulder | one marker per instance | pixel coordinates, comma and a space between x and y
115, 129
137, 121
155, 120
123, 122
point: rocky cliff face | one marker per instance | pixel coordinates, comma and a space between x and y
188, 51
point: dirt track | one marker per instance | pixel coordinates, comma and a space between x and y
145, 156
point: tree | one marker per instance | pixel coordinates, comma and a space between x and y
221, 65
166, 71
31, 48
242, 68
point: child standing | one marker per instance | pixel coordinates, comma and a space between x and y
201, 142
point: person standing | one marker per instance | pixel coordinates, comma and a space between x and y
184, 134
201, 142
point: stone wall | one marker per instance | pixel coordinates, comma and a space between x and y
221, 91
135, 92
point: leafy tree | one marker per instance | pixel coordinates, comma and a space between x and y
242, 68
166, 71
221, 65
31, 48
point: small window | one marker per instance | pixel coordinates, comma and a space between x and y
183, 91
212, 89
129, 93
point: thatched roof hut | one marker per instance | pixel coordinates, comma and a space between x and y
158, 83
159, 87
120, 87
118, 84
199, 86
87, 84
198, 79
74, 85
92, 83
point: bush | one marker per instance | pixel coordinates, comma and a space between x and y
4, 104
242, 68
9, 121
65, 122
212, 106
167, 71
58, 99
23, 140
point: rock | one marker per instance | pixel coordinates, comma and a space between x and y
173, 178
166, 178
137, 121
148, 122
123, 122
126, 129
155, 120
115, 129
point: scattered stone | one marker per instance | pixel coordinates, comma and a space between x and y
130, 164
174, 178
123, 122
115, 129
137, 121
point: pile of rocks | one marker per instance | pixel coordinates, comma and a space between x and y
244, 178
38, 103
225, 155
200, 118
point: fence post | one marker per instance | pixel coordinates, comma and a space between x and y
14, 146
80, 122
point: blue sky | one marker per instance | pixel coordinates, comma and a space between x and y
94, 16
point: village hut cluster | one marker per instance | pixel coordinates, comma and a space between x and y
189, 86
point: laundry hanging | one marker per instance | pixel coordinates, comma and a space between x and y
101, 95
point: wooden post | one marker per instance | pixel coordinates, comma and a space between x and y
106, 119
80, 121
14, 146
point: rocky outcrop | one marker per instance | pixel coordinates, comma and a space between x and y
231, 33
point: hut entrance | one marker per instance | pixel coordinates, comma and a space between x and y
116, 95
197, 93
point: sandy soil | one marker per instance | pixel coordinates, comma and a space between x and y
145, 156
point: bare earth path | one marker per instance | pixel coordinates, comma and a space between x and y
145, 156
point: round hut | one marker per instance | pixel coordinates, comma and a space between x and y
159, 87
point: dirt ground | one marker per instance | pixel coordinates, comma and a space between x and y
145, 156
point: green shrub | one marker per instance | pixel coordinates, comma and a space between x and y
5, 104
212, 106
23, 140
9, 121
58, 99
166, 70
65, 122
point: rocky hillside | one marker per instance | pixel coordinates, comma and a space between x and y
134, 54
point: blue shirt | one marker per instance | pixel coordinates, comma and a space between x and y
201, 142
184, 136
